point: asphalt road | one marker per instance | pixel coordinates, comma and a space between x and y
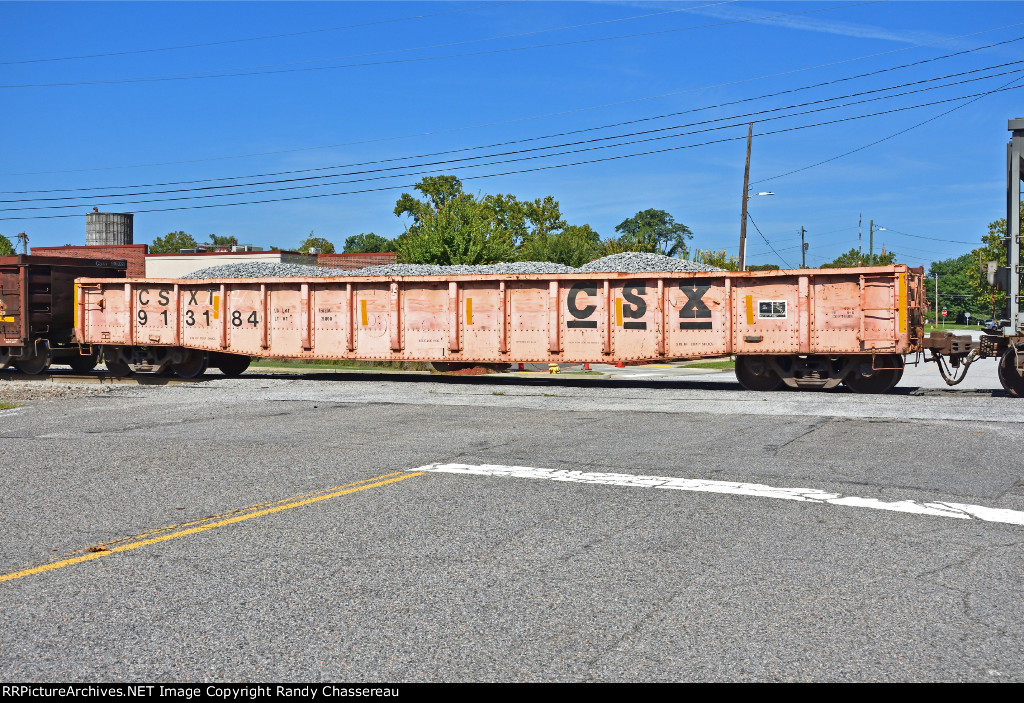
277, 528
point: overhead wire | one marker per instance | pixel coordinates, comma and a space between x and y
242, 40
750, 217
93, 192
567, 112
506, 173
245, 73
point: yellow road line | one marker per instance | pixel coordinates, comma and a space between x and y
202, 528
230, 513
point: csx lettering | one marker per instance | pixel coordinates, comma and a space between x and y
163, 297
581, 313
636, 308
694, 308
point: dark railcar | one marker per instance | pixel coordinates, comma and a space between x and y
38, 311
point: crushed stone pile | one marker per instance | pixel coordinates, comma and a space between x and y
628, 262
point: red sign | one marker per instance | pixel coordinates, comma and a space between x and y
943, 312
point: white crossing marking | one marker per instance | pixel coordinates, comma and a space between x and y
961, 511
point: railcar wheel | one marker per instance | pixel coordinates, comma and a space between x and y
83, 364
1009, 376
755, 374
193, 366
866, 379
33, 365
230, 364
115, 366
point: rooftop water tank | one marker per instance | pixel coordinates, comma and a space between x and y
105, 228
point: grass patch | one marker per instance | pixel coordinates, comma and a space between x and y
724, 364
8, 406
950, 326
354, 365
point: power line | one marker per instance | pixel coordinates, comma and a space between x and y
447, 165
933, 239
464, 42
93, 194
242, 40
560, 113
749, 217
883, 139
506, 173
244, 73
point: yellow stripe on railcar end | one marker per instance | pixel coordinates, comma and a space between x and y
469, 311
750, 309
362, 310
76, 309
216, 307
901, 304
618, 312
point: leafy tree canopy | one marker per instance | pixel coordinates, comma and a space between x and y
369, 243
993, 248
223, 240
718, 259
6, 248
313, 242
172, 243
955, 292
439, 190
854, 258
654, 231
575, 245
460, 232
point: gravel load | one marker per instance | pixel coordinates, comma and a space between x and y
264, 270
640, 262
629, 262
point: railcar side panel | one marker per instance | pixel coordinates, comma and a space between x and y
527, 318
698, 319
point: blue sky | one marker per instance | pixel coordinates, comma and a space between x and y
104, 99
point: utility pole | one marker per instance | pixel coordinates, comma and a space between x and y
24, 242
871, 240
743, 213
860, 235
937, 299
803, 248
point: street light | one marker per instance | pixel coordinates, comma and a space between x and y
743, 228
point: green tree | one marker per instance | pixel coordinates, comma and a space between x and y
369, 243
654, 231
460, 232
439, 190
993, 248
172, 243
854, 259
312, 242
575, 245
218, 240
718, 259
955, 293
6, 248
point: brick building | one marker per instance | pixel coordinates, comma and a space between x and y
134, 254
350, 262
175, 265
